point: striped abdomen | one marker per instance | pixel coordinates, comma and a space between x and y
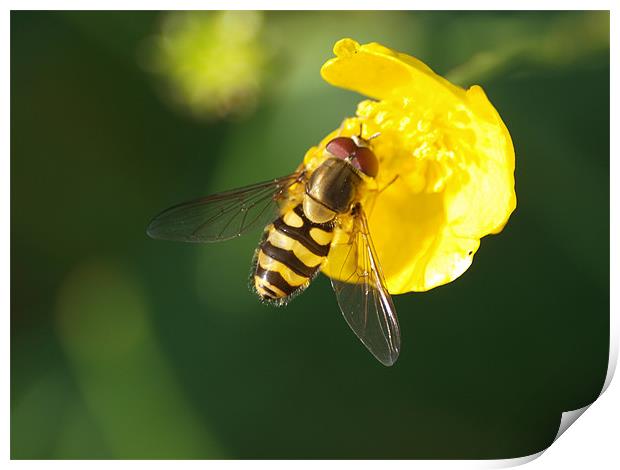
290, 255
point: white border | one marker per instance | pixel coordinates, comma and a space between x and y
5, 208
593, 441
314, 5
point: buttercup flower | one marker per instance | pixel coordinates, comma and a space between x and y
214, 61
446, 164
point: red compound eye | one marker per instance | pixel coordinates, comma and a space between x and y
361, 158
341, 147
367, 161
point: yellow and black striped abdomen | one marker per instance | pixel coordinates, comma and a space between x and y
290, 255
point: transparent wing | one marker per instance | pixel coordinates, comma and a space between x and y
224, 215
362, 295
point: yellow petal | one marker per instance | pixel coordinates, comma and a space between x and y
378, 72
482, 201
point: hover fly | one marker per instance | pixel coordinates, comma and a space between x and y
307, 216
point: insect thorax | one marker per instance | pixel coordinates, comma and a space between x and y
333, 185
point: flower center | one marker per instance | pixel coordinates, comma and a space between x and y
422, 147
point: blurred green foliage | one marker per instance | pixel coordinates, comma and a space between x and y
124, 347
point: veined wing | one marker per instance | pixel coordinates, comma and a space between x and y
362, 295
224, 215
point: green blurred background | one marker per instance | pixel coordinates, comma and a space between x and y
126, 347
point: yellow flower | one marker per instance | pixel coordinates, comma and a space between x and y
446, 174
214, 61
